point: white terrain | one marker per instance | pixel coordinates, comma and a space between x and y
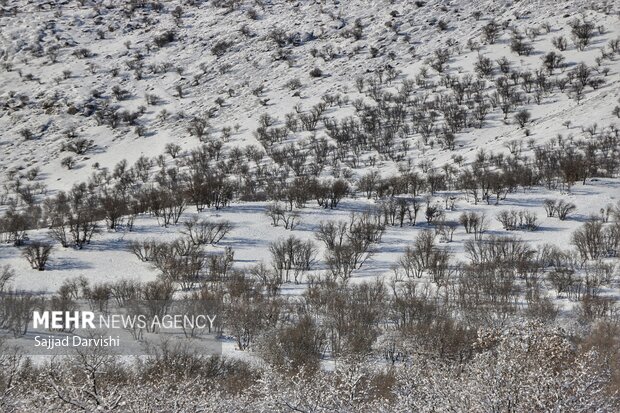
391, 206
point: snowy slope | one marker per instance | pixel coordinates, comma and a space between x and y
405, 37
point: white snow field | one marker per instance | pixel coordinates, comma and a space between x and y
124, 122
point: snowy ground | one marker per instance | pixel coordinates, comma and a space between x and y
246, 65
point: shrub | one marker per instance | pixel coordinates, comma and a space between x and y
316, 72
220, 48
172, 149
522, 117
348, 244
37, 254
27, 134
560, 43
518, 45
82, 53
589, 240
513, 220
180, 262
484, 66
292, 255
6, 275
202, 232
68, 162
293, 84
552, 60
295, 347
582, 33
564, 208
473, 223
198, 126
144, 250
79, 146
491, 32
164, 38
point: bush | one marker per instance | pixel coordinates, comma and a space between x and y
6, 275
552, 60
349, 243
296, 346
68, 162
220, 48
82, 53
163, 39
588, 240
484, 66
172, 149
513, 220
473, 223
292, 255
560, 43
421, 256
206, 232
37, 254
180, 262
79, 146
564, 208
144, 250
293, 84
522, 117
198, 126
13, 227
316, 72
27, 134
582, 33
491, 32
519, 46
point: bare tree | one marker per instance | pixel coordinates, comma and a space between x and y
349, 244
581, 32
491, 32
564, 208
88, 391
206, 232
180, 261
523, 117
6, 275
37, 254
292, 255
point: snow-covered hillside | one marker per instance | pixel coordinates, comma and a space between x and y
457, 156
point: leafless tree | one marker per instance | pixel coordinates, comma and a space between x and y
37, 254
581, 32
349, 243
292, 256
202, 232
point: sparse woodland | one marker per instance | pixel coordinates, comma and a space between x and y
406, 206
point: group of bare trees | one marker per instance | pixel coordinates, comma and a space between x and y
502, 270
292, 382
595, 239
292, 256
73, 217
424, 256
384, 122
15, 306
184, 261
560, 208
522, 219
441, 327
349, 243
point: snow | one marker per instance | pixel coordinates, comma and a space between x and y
250, 63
